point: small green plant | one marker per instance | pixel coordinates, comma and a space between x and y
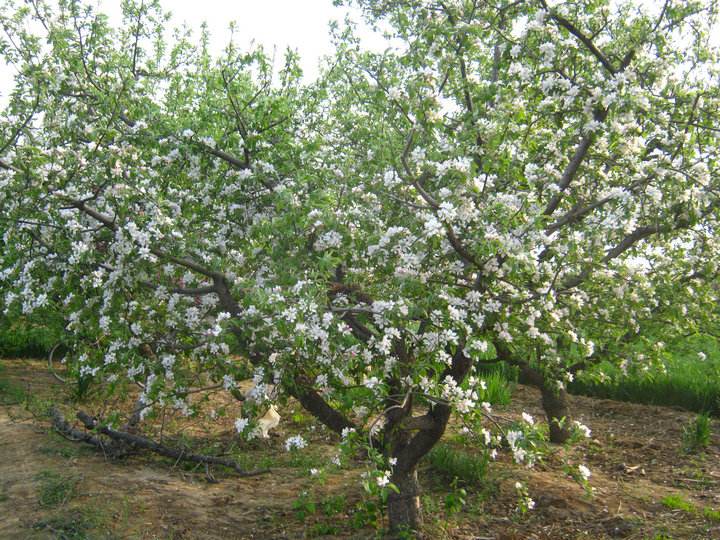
368, 513
304, 506
712, 515
471, 469
456, 499
525, 502
333, 504
677, 502
696, 435
55, 489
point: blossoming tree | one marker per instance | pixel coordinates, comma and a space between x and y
562, 163
521, 182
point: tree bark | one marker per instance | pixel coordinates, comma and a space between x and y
555, 404
404, 511
316, 405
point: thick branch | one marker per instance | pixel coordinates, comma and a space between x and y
316, 405
572, 167
63, 427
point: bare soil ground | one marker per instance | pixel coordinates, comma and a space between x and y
54, 488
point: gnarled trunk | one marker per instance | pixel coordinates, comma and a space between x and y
555, 404
408, 440
404, 511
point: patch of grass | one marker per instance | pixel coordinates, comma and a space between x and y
301, 420
696, 435
323, 529
499, 389
74, 525
23, 338
500, 380
677, 502
469, 469
683, 379
10, 392
56, 489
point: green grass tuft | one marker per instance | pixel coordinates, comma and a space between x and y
696, 435
469, 469
677, 502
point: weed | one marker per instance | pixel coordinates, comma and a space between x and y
368, 513
333, 504
55, 489
456, 499
304, 506
712, 515
696, 435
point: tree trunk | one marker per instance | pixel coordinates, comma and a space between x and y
404, 512
555, 404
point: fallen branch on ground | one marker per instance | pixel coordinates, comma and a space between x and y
64, 428
124, 439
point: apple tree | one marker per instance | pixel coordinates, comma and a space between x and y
524, 182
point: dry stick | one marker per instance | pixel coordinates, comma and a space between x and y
142, 442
